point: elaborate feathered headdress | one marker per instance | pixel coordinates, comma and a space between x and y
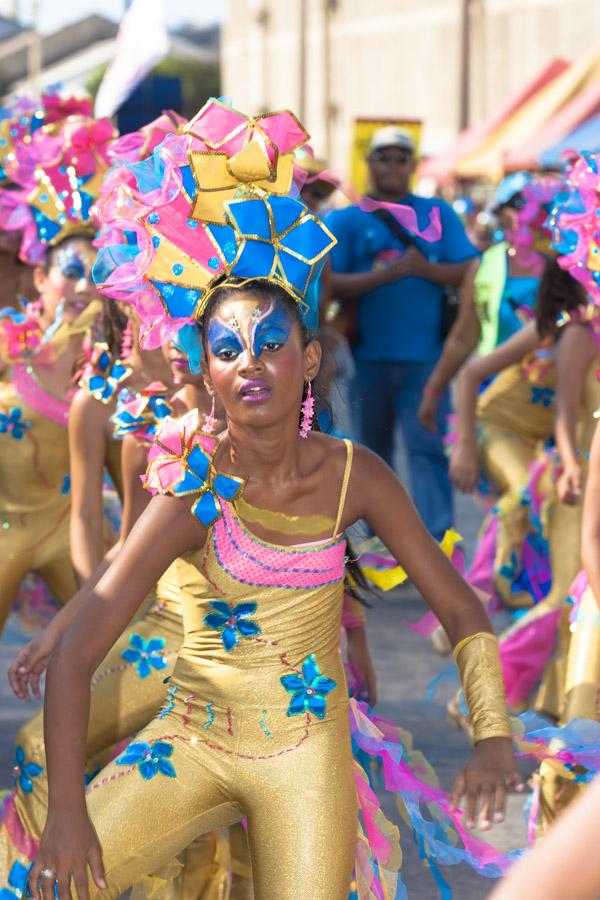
575, 222
211, 203
57, 176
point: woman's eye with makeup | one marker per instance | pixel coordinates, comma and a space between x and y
73, 272
227, 353
272, 346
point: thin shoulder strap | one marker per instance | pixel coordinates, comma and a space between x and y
345, 482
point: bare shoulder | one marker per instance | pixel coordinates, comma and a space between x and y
86, 411
171, 519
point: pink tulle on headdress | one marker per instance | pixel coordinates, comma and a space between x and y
574, 222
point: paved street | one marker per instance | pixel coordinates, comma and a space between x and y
405, 665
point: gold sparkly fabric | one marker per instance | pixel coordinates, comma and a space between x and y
582, 682
515, 418
34, 504
478, 661
127, 690
254, 725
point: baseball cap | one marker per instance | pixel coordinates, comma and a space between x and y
392, 136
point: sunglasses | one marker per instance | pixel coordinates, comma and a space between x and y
400, 157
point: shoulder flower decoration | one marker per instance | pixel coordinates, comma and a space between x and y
232, 622
308, 690
180, 462
102, 377
24, 772
149, 758
142, 414
146, 655
20, 334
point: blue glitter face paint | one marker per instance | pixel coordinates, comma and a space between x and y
224, 340
270, 327
72, 264
255, 326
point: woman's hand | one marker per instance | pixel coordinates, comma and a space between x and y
488, 776
568, 486
464, 466
30, 663
428, 410
69, 846
359, 657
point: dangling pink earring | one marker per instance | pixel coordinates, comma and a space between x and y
210, 420
308, 411
127, 341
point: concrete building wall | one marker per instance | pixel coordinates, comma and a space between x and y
392, 58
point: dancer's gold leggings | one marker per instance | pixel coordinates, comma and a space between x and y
507, 456
125, 696
199, 766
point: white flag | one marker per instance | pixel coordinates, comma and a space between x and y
142, 42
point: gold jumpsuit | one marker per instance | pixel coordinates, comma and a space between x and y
255, 725
34, 491
515, 416
127, 690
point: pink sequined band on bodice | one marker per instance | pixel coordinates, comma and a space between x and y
252, 561
32, 393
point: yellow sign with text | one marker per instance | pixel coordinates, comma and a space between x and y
364, 129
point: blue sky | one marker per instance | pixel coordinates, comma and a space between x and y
55, 13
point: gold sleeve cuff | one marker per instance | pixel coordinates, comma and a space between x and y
478, 661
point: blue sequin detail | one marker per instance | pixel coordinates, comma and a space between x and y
214, 262
25, 772
146, 655
308, 690
168, 290
149, 758
154, 218
263, 724
192, 223
17, 882
177, 269
156, 241
232, 622
211, 715
66, 486
171, 702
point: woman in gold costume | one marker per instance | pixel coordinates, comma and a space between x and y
255, 722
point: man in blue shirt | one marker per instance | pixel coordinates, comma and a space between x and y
399, 286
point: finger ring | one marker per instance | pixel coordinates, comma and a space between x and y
48, 873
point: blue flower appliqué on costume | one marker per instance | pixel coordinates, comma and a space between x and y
308, 690
13, 423
149, 758
543, 396
17, 882
232, 621
24, 772
146, 655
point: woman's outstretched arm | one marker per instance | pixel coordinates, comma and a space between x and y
464, 465
377, 495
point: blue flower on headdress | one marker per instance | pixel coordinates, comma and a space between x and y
146, 655
13, 423
149, 758
24, 772
542, 395
308, 690
232, 621
278, 239
17, 882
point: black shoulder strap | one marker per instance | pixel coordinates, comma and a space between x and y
399, 231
